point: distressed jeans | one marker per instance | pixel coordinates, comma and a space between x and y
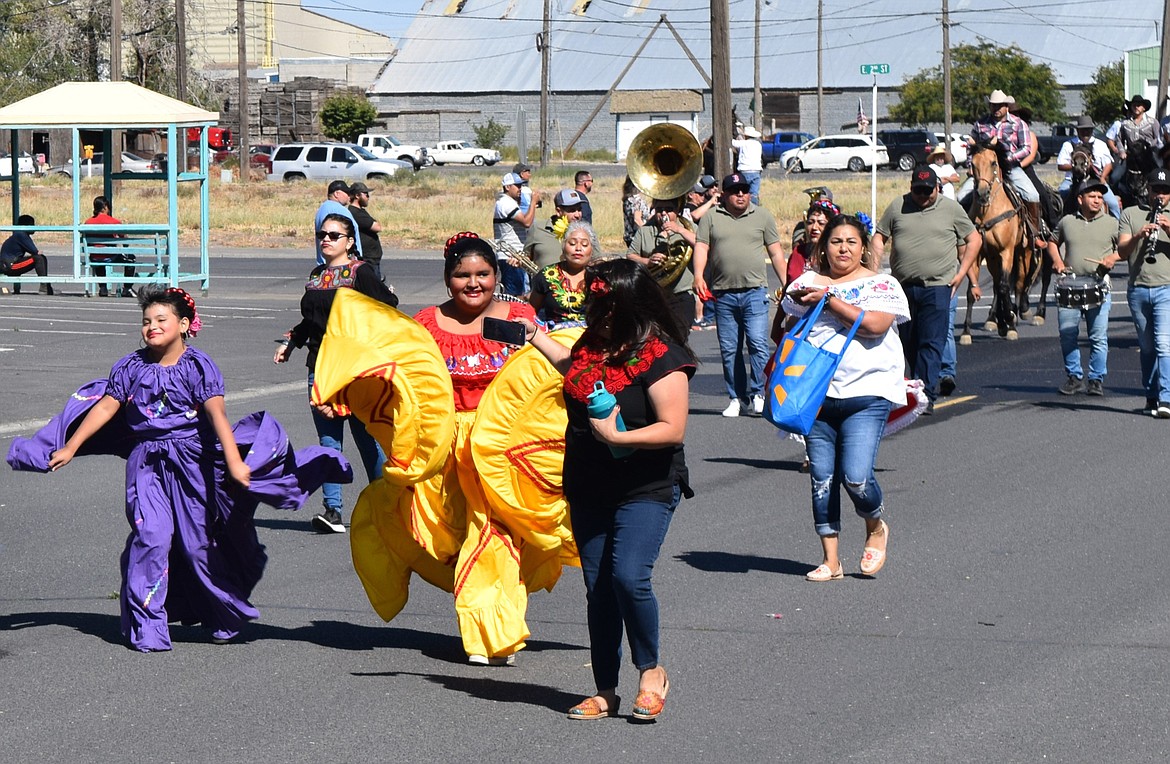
1097, 320
842, 448
1150, 307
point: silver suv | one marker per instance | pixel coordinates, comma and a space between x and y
331, 161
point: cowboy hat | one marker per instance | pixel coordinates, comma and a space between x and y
1138, 100
1085, 122
751, 132
1000, 97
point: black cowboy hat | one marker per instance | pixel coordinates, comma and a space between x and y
1136, 100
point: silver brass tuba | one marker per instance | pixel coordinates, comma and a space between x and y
664, 161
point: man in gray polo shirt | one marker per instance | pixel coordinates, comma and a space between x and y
926, 228
736, 238
1089, 238
543, 246
1142, 239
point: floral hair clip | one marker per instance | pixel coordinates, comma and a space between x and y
830, 209
196, 323
456, 239
559, 227
598, 286
866, 221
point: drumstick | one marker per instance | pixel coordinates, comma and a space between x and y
1094, 262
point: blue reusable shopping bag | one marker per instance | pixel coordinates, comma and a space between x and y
801, 375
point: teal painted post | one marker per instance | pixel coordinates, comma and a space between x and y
204, 209
15, 155
173, 204
107, 163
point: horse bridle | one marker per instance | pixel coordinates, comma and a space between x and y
984, 198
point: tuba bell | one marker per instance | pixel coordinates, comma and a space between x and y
664, 161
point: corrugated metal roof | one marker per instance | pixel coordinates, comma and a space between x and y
489, 46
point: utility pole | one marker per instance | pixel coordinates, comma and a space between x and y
181, 50
757, 98
946, 51
820, 71
721, 86
242, 98
545, 63
1164, 63
113, 152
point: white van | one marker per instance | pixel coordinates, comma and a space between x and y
331, 161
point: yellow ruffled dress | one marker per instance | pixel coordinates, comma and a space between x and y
471, 496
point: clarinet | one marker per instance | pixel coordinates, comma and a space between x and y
1151, 252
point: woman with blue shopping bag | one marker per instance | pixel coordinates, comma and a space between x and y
868, 380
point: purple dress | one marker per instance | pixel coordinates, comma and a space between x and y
193, 554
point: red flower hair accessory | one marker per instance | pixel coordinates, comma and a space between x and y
456, 239
196, 323
598, 286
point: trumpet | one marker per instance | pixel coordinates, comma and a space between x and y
1151, 252
509, 251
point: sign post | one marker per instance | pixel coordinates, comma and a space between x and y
875, 70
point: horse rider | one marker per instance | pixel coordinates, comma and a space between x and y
1013, 141
1089, 238
1139, 126
1102, 162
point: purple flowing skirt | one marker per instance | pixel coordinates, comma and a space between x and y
193, 555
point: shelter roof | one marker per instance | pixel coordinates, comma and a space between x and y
470, 46
119, 104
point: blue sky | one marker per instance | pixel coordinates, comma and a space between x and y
390, 17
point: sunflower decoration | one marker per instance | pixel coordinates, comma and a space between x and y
559, 227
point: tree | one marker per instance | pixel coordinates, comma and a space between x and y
490, 135
976, 70
345, 116
1104, 96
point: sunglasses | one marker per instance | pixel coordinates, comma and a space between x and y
331, 235
921, 191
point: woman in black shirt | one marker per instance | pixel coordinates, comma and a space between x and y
633, 347
341, 269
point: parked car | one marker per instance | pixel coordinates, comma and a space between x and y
958, 146
331, 161
130, 163
387, 146
907, 147
776, 145
835, 152
461, 152
24, 164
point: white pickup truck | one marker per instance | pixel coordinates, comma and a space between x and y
456, 152
388, 147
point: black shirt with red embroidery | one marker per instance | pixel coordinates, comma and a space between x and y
592, 474
317, 301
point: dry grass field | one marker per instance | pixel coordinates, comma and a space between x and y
418, 211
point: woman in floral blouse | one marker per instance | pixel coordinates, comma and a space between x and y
558, 291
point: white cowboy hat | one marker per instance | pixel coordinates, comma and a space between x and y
751, 132
998, 96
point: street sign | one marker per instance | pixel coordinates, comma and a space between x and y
875, 68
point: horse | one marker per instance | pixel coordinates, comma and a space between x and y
1007, 249
1139, 161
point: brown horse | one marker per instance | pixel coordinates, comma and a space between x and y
1011, 260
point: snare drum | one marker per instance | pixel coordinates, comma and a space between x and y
1080, 292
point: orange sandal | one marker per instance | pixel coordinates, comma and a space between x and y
589, 709
648, 705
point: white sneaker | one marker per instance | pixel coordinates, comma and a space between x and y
758, 404
732, 408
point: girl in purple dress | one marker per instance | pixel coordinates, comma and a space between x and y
171, 397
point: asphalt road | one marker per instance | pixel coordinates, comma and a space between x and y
1023, 614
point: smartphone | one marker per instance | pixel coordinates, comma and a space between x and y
507, 332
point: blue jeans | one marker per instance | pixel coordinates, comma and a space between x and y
740, 315
514, 280
753, 178
331, 434
618, 546
1097, 319
1150, 307
842, 448
924, 335
949, 356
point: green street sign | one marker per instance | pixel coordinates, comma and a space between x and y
875, 68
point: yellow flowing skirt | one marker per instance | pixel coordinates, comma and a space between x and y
483, 517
